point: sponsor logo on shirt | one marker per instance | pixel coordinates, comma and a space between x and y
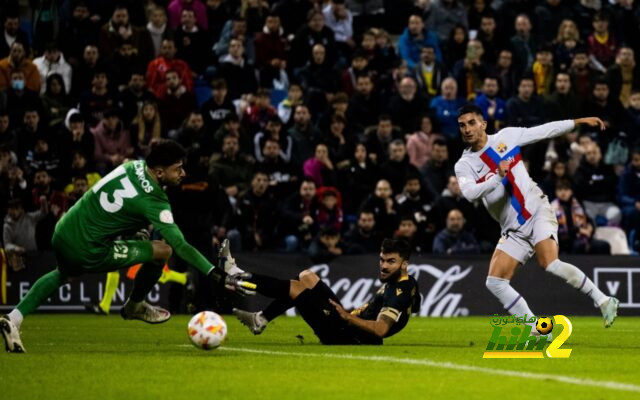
166, 217
502, 148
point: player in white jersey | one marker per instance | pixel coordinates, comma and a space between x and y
491, 169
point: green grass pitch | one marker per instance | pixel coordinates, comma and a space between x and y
91, 357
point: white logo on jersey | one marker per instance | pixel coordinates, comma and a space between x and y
144, 182
166, 217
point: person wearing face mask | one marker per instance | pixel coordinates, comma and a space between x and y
17, 60
17, 98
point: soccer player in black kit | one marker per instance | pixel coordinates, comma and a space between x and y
385, 315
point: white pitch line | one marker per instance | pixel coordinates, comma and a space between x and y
449, 365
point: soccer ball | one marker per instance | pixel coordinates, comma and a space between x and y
544, 325
207, 330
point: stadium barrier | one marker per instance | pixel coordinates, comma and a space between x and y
450, 286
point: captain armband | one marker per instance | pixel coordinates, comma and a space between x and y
391, 313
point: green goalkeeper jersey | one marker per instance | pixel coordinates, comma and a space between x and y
123, 202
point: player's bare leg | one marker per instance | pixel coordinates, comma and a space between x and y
547, 255
147, 276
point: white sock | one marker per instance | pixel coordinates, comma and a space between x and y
578, 280
512, 301
16, 317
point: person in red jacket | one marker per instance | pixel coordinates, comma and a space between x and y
157, 69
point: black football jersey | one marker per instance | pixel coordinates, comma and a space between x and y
397, 300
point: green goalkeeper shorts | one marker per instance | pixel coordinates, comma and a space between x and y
115, 255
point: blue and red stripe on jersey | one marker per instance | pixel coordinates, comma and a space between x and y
492, 159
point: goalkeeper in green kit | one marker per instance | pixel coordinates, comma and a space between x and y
126, 200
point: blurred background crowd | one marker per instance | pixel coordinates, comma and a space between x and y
319, 126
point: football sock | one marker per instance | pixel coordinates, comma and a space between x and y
512, 301
577, 279
276, 308
110, 288
16, 317
271, 287
173, 276
40, 291
146, 277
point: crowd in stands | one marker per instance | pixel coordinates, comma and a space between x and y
319, 126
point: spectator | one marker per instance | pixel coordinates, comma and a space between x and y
55, 101
17, 99
113, 143
258, 210
314, 33
56, 204
77, 32
470, 71
633, 113
408, 230
146, 127
19, 230
13, 183
297, 224
523, 45
453, 240
329, 214
629, 193
85, 69
601, 43
562, 103
493, 107
525, 109
159, 67
176, 102
235, 28
53, 62
566, 44
42, 157
506, 73
75, 137
548, 17
383, 206
17, 61
542, 70
414, 38
358, 177
340, 20
219, 106
557, 172
326, 246
363, 237
378, 140
124, 61
582, 74
79, 186
236, 71
445, 108
120, 28
32, 128
429, 72
624, 75
98, 99
493, 41
451, 13
318, 78
397, 168
438, 169
407, 105
192, 42
359, 67
320, 168
415, 200
8, 139
176, 8
303, 134
608, 109
259, 112
11, 32
133, 97
194, 136
338, 140
157, 27
575, 232
420, 143
456, 46
288, 104
596, 186
273, 130
79, 166
281, 174
231, 169
271, 55
451, 198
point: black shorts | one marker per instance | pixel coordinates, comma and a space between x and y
321, 316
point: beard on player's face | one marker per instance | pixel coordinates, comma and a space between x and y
390, 273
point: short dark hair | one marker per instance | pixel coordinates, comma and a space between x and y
469, 108
399, 246
563, 184
328, 231
165, 152
440, 142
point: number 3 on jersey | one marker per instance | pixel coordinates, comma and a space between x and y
127, 191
